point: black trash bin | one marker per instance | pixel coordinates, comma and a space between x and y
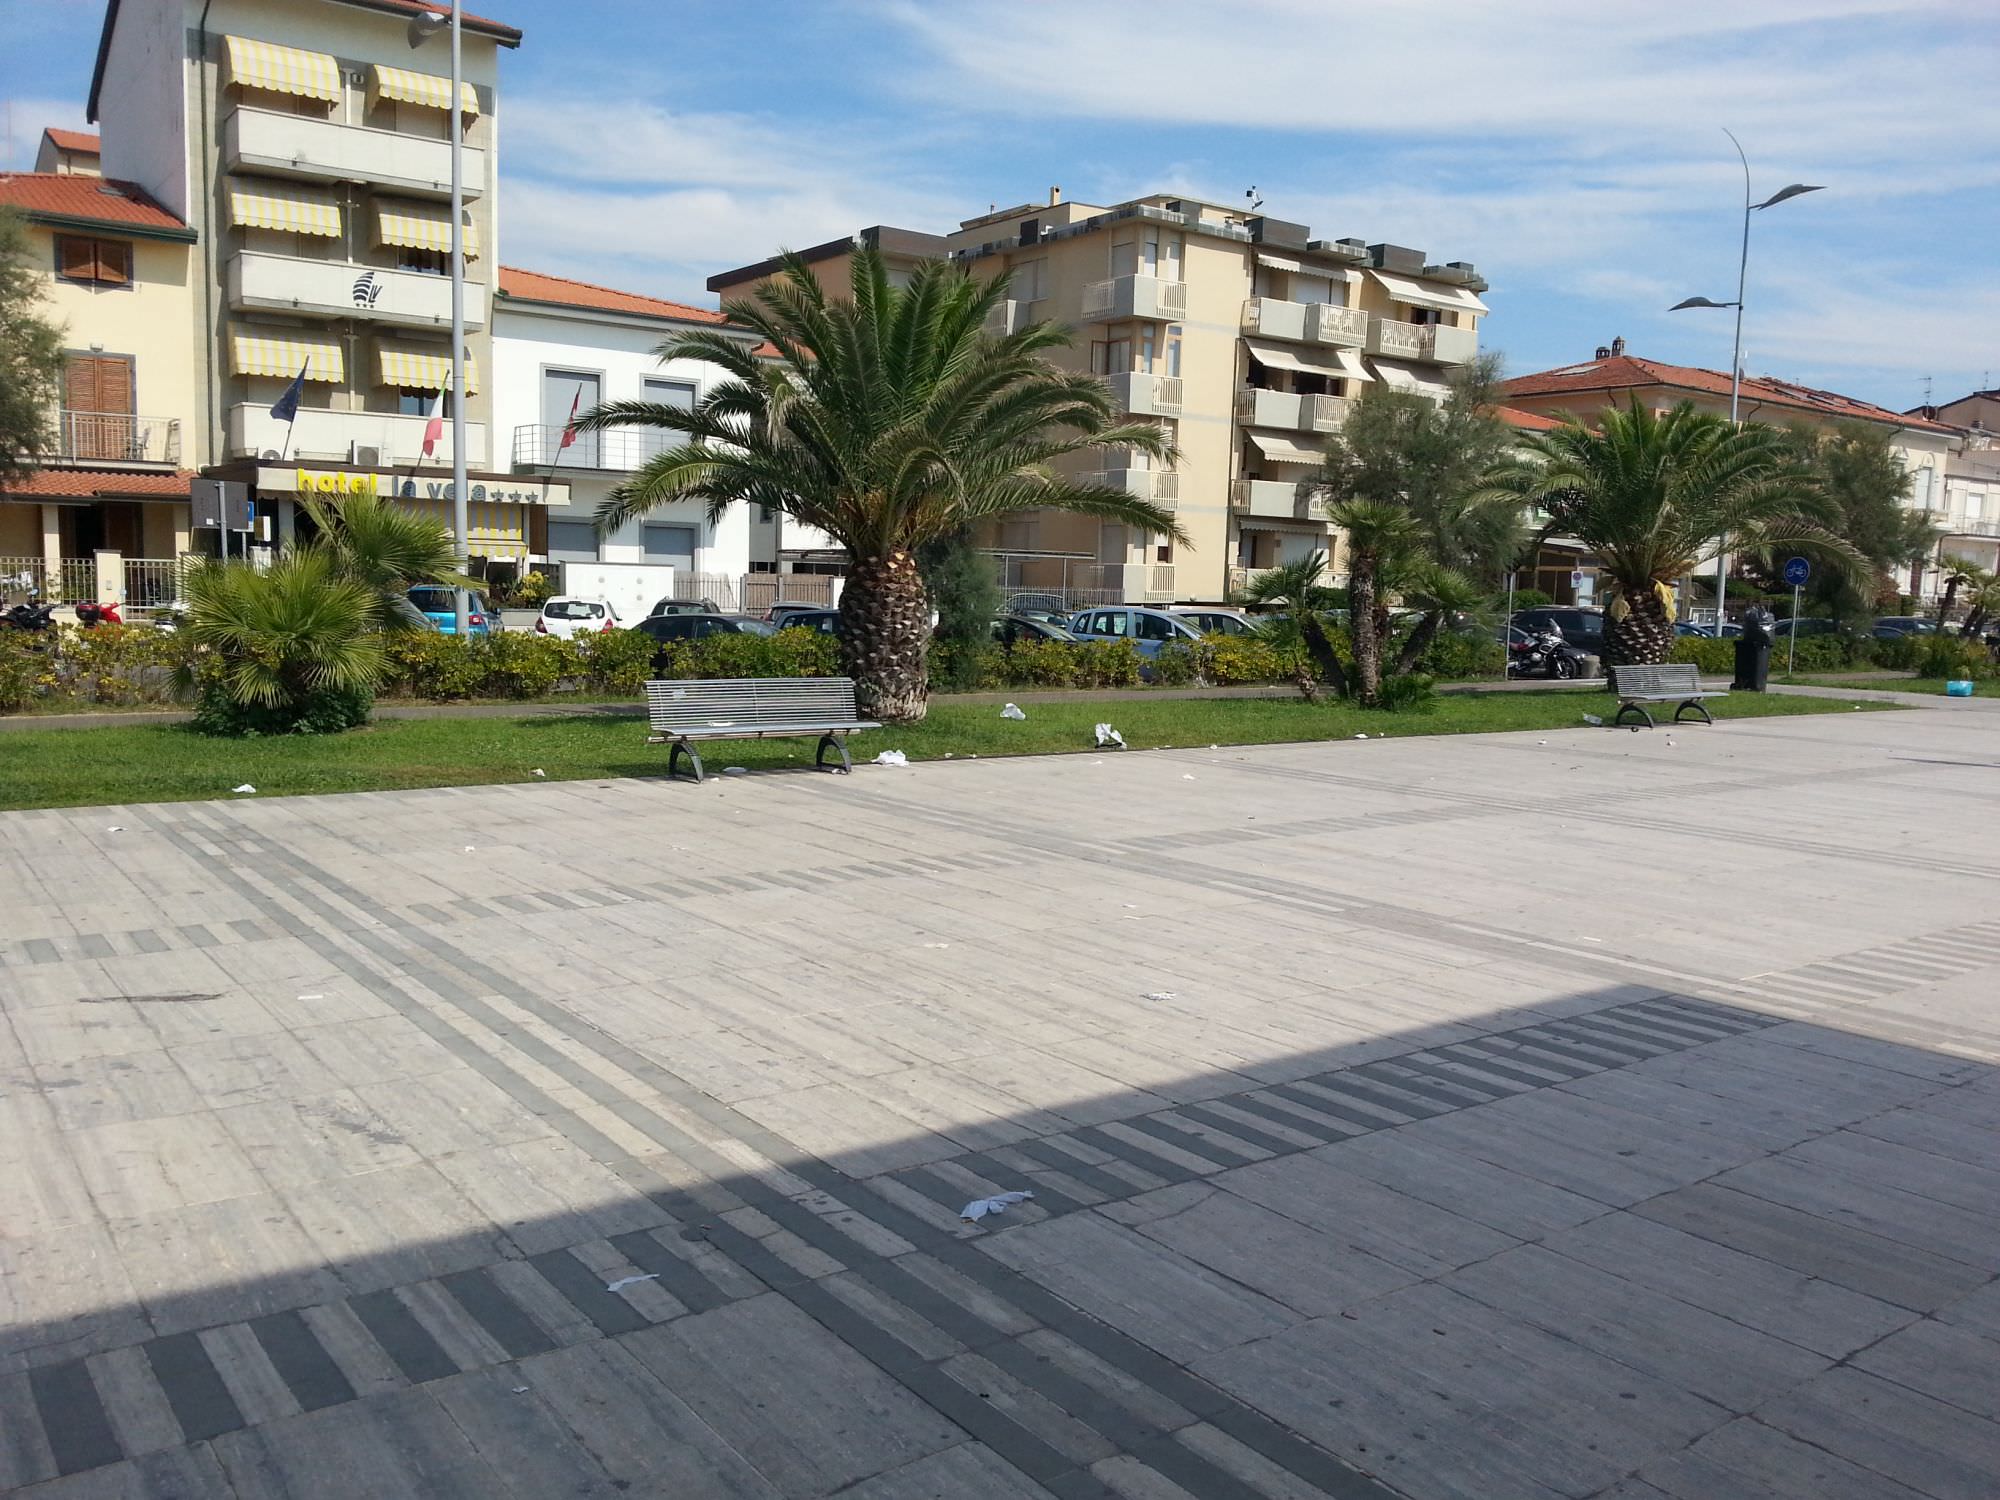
1753, 651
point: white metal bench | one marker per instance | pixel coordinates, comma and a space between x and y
1667, 682
753, 708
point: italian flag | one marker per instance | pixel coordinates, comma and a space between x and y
434, 429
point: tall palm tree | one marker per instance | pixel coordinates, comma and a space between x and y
1382, 537
888, 419
1651, 495
386, 549
1298, 589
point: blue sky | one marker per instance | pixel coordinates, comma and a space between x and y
1572, 149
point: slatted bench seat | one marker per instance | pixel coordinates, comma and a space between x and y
753, 708
1668, 682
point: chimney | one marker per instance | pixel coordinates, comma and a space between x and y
1617, 345
1055, 196
1602, 352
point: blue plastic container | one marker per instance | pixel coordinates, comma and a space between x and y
1958, 687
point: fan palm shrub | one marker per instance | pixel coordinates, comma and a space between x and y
385, 548
889, 419
1299, 589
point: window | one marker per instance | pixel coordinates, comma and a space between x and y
564, 391
1146, 350
1154, 628
418, 403
97, 408
1174, 350
573, 609
675, 393
93, 262
1164, 551
1975, 506
1031, 280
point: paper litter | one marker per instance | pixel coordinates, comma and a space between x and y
624, 1281
538, 771
1187, 776
892, 758
1012, 712
246, 788
1106, 735
116, 828
1361, 736
1592, 719
1158, 995
735, 770
979, 1208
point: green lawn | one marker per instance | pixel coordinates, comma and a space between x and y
1932, 687
168, 763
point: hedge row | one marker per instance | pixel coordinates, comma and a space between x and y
1816, 653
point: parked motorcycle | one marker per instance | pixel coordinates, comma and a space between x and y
29, 617
88, 614
1545, 654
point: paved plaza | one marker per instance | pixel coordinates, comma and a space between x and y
1489, 1118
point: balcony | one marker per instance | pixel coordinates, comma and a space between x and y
320, 434
1428, 342
1971, 528
1146, 395
1306, 322
1291, 411
1135, 297
1161, 486
619, 451
343, 289
1009, 317
1274, 499
262, 140
101, 437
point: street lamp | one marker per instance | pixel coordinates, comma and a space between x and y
1736, 350
422, 28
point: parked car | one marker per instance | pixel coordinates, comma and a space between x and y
1703, 632
701, 627
825, 621
439, 606
1217, 621
684, 607
1011, 630
566, 616
1582, 628
775, 615
1146, 629
1806, 625
1892, 627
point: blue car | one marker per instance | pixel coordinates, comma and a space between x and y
439, 605
1146, 629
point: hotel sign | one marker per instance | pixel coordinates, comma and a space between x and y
335, 482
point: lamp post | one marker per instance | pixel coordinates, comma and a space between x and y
422, 28
1736, 349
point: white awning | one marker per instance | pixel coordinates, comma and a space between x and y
1338, 364
1399, 376
426, 89
1279, 262
1273, 523
1280, 449
281, 70
1426, 294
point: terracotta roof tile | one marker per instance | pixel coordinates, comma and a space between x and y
86, 484
1622, 372
73, 140
1525, 421
96, 200
534, 286
499, 29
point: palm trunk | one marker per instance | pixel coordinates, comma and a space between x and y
1320, 649
1950, 597
1419, 642
1642, 636
1362, 626
885, 636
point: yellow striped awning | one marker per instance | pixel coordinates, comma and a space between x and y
427, 89
280, 356
283, 70
421, 367
421, 226
291, 209
492, 529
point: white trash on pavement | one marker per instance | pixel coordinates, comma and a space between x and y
892, 758
246, 789
979, 1208
1593, 720
1012, 711
1106, 735
624, 1281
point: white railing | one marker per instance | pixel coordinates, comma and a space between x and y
1162, 485
1235, 580
396, 437
345, 288
1161, 584
22, 576
539, 446
1275, 318
1327, 323
1135, 297
302, 146
1146, 395
117, 437
1396, 339
1325, 413
1972, 528
1070, 574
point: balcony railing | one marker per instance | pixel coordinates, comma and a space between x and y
1972, 528
84, 437
1274, 318
265, 140
1292, 411
1430, 342
1160, 485
1346, 327
1236, 580
320, 433
1146, 395
344, 289
539, 446
1276, 499
1134, 297
1306, 322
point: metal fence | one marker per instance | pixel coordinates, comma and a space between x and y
153, 582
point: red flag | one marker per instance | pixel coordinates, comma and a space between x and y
569, 427
434, 429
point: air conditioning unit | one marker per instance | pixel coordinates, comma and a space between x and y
364, 456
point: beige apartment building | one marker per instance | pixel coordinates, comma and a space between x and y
307, 143
1241, 334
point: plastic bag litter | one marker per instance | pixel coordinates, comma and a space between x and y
116, 828
1158, 995
538, 771
1012, 711
245, 789
892, 758
1361, 736
979, 1208
735, 770
1593, 720
1106, 735
1187, 776
624, 1281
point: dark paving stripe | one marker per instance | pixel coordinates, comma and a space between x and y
1395, 1074
308, 1371
1685, 1033
41, 951
1110, 1184
145, 940
1591, 1032
197, 934
1326, 1106
1277, 1145
1184, 1141
584, 1289
1456, 1072
1133, 1154
249, 929
1357, 1089
200, 1401
680, 1277
1598, 1054
1319, 1130
1008, 1179
73, 1420
97, 945
1533, 1054
419, 1356
499, 1314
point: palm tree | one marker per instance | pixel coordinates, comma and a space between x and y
1382, 537
386, 549
888, 419
1962, 573
1650, 495
1441, 593
1296, 588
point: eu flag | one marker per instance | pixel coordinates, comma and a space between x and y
286, 407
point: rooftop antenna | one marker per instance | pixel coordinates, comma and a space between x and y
1254, 201
1927, 390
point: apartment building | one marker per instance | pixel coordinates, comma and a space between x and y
1244, 336
307, 143
116, 267
560, 346
68, 153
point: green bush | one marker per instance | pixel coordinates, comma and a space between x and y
789, 653
1412, 692
1526, 599
119, 664
1041, 664
1455, 657
514, 664
1231, 659
425, 664
1713, 657
968, 666
1952, 657
327, 710
1903, 654
1178, 664
1103, 664
615, 663
22, 665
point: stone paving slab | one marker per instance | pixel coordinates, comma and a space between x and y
1402, 1118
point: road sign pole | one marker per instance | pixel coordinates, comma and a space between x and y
1792, 643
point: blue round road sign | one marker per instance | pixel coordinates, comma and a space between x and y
1797, 571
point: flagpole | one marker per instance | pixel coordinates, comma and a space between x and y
461, 524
